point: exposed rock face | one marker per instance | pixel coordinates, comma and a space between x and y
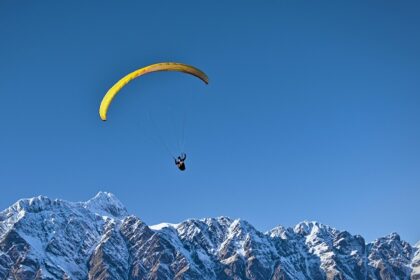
42, 238
415, 274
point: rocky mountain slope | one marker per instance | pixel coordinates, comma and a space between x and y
41, 238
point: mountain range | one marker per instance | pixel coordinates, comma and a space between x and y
43, 238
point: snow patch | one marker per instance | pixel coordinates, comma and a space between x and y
163, 225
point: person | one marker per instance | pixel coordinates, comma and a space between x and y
180, 161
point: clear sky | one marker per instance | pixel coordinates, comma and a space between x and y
312, 111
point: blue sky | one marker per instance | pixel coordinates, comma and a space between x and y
312, 111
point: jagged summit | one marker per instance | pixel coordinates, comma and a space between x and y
312, 227
28, 205
42, 238
105, 203
105, 197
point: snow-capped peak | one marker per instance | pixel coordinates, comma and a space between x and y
279, 231
310, 227
106, 204
33, 204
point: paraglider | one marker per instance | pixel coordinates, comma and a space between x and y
180, 161
165, 66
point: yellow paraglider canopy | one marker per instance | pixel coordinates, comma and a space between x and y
165, 66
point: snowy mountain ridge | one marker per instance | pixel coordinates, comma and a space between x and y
41, 238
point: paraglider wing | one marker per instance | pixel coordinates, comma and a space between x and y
165, 66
